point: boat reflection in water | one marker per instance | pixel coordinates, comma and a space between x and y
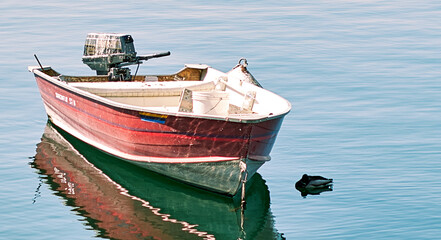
123, 201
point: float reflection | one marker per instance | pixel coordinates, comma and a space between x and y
122, 201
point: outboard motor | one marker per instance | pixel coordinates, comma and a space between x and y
108, 53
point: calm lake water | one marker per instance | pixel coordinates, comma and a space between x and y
363, 78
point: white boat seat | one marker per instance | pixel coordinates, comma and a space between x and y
142, 89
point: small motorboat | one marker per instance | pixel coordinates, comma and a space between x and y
205, 127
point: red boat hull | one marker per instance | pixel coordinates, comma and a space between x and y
149, 138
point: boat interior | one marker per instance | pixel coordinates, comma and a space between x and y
197, 89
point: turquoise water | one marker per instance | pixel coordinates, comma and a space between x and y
363, 78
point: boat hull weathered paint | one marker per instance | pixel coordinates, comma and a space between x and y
202, 151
